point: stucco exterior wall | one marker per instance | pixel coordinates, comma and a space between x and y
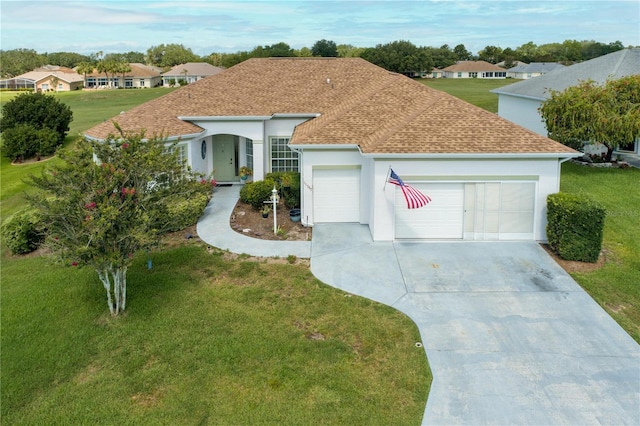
545, 172
336, 158
522, 111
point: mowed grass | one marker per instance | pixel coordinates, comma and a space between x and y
616, 286
89, 108
205, 340
476, 91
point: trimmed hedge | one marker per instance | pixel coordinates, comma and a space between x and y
182, 212
24, 232
257, 192
575, 226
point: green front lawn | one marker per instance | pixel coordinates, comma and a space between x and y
476, 91
616, 286
206, 340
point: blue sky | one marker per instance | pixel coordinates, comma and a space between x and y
229, 26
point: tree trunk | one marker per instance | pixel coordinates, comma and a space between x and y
116, 294
609, 154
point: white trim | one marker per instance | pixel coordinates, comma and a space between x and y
477, 156
225, 118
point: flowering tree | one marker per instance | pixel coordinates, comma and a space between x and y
98, 211
608, 114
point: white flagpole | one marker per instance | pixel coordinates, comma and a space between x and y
386, 179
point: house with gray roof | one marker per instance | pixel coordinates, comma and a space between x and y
520, 102
343, 124
189, 72
532, 70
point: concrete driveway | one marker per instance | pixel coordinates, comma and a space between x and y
510, 337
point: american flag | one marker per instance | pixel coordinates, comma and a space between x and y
415, 199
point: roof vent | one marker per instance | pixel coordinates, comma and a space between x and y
328, 81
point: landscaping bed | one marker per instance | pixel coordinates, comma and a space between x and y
248, 221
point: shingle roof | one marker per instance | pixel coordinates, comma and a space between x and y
193, 68
38, 75
612, 66
357, 102
534, 67
472, 66
137, 70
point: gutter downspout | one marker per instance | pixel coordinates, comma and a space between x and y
304, 218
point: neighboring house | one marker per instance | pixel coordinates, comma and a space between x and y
520, 102
474, 69
343, 123
47, 78
534, 69
140, 76
189, 72
435, 73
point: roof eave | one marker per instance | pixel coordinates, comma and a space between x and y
517, 95
167, 139
476, 156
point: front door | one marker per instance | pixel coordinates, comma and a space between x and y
224, 158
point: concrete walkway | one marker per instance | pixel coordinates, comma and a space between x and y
214, 229
510, 337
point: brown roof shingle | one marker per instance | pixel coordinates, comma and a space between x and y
357, 102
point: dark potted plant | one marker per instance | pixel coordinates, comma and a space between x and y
294, 215
265, 211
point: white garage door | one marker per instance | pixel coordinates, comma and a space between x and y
336, 195
442, 218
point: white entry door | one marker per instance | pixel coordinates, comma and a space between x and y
336, 195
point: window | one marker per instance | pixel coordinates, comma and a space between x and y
142, 82
501, 74
283, 159
183, 152
45, 86
128, 82
249, 150
60, 86
473, 74
459, 75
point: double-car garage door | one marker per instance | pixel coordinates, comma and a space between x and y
469, 210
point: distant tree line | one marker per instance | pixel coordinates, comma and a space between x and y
398, 56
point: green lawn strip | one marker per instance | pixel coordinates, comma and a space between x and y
476, 91
615, 286
89, 108
204, 340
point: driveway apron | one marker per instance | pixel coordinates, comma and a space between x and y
511, 338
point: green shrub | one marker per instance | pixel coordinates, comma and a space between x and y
575, 226
180, 212
38, 110
257, 192
288, 185
24, 141
23, 233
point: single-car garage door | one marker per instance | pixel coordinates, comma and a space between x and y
442, 218
336, 194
